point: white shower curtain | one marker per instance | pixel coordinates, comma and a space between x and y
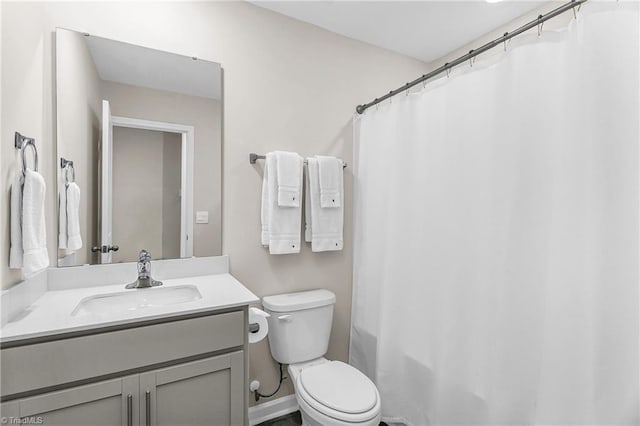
496, 236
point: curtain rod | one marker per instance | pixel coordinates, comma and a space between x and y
475, 52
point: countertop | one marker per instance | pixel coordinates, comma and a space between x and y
50, 314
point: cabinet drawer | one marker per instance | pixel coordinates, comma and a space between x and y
40, 365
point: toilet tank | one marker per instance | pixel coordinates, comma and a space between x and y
299, 325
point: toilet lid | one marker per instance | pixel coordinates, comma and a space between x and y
340, 387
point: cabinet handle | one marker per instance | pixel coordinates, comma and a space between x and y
147, 401
129, 410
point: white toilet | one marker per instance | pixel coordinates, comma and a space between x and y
330, 393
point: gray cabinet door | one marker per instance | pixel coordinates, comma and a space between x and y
208, 392
108, 403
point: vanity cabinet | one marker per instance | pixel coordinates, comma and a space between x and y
202, 392
188, 371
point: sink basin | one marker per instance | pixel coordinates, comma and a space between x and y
136, 299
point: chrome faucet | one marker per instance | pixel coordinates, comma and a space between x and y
144, 272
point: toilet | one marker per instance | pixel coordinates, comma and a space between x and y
329, 393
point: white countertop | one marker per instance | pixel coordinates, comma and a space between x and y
50, 314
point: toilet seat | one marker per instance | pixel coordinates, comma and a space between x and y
340, 391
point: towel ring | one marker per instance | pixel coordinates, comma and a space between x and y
32, 144
22, 142
67, 166
71, 169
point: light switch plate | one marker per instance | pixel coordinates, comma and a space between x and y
202, 217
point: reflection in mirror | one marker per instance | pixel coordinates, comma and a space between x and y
143, 129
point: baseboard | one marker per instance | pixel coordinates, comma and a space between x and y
272, 409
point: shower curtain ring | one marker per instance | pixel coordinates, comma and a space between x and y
505, 41
540, 25
406, 92
471, 58
424, 81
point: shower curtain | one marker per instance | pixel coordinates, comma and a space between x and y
496, 235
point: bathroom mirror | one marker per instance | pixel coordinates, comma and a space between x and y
139, 138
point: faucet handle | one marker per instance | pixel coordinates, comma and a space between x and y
144, 264
144, 255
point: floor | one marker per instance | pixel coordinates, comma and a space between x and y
292, 419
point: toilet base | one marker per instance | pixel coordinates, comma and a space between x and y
311, 416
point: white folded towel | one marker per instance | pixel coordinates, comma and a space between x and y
62, 218
34, 234
74, 240
307, 204
69, 219
289, 177
280, 225
265, 207
330, 172
324, 226
16, 252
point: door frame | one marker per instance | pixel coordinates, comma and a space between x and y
187, 163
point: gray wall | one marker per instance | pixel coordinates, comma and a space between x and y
287, 85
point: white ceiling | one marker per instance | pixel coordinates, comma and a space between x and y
426, 30
139, 66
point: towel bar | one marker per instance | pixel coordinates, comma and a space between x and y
253, 157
